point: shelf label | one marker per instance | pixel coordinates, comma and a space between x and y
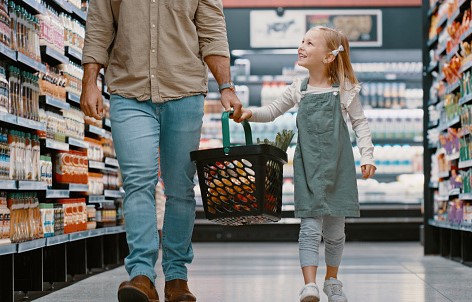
52, 144
73, 97
111, 162
77, 143
30, 124
78, 187
54, 102
96, 164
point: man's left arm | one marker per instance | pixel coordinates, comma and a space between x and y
211, 29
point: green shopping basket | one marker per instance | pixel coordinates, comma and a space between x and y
240, 184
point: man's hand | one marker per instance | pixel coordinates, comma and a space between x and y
230, 100
368, 171
91, 101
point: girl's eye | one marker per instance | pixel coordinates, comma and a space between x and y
309, 43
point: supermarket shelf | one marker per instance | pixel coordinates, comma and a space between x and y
115, 229
53, 55
453, 18
31, 245
432, 146
433, 8
96, 165
82, 16
63, 5
433, 124
111, 162
96, 232
107, 123
441, 22
465, 196
441, 49
77, 142
465, 164
433, 185
22, 122
452, 87
444, 174
98, 131
442, 198
55, 145
416, 141
79, 235
29, 62
58, 239
6, 249
73, 98
72, 187
57, 193
49, 100
37, 7
466, 34
452, 156
465, 99
449, 124
433, 67
26, 123
466, 66
432, 41
8, 185
453, 53
96, 199
113, 194
32, 185
448, 225
73, 54
7, 52
454, 192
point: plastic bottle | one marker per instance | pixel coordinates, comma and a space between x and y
13, 26
28, 157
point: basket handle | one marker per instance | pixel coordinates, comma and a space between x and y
225, 129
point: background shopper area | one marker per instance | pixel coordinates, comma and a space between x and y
61, 195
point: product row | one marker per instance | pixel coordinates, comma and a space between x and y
23, 218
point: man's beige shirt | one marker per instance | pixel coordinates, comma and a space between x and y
155, 49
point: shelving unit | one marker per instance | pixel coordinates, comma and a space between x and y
444, 232
26, 265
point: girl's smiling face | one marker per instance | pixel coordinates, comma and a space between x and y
313, 49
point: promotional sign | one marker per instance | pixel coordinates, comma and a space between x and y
270, 29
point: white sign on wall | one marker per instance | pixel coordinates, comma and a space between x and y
270, 30
362, 27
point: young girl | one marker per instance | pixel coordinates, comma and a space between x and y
325, 176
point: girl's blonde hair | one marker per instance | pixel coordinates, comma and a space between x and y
341, 68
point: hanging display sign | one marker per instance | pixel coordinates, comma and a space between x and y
270, 29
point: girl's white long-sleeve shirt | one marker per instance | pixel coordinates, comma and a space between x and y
350, 104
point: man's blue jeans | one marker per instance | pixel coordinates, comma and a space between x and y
140, 130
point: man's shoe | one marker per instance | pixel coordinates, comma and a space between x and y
177, 291
139, 289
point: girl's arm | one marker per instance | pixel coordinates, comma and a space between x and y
268, 113
362, 130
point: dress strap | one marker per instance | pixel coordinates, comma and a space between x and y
304, 85
336, 85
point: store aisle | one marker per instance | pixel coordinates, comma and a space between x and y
269, 272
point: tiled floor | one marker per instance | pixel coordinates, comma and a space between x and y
269, 272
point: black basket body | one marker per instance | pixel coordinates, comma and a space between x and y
242, 187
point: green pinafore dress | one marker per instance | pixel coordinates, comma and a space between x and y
324, 170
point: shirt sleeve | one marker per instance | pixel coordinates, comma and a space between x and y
211, 28
282, 104
362, 130
99, 33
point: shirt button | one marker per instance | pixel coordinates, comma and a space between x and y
154, 25
152, 76
153, 50
153, 1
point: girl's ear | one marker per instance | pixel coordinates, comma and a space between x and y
329, 58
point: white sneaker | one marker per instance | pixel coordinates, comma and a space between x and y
310, 293
333, 288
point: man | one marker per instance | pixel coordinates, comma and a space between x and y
154, 53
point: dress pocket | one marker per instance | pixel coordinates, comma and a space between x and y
320, 119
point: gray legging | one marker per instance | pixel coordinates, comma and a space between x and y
311, 229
